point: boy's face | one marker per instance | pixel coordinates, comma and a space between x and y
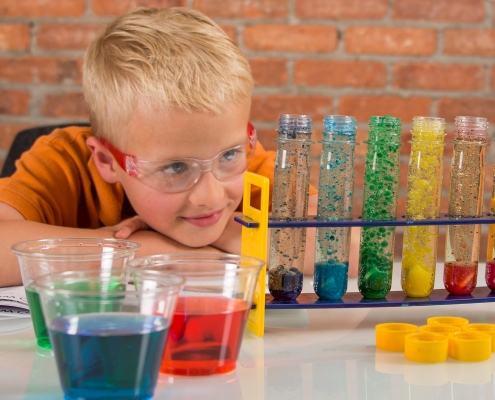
197, 216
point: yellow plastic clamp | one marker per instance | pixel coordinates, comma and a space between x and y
470, 346
456, 321
485, 328
254, 244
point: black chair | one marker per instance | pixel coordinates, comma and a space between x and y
23, 142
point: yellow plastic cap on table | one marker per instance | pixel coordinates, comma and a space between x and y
456, 321
390, 336
426, 347
470, 346
485, 328
442, 329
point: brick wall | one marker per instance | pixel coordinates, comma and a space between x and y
317, 57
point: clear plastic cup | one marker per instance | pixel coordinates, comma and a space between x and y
212, 309
48, 256
108, 340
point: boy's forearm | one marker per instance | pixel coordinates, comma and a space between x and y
12, 232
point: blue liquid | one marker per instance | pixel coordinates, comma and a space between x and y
330, 279
108, 355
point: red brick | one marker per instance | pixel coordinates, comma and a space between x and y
387, 40
363, 107
41, 8
64, 105
470, 42
359, 164
269, 71
40, 70
269, 107
13, 102
14, 37
8, 133
340, 73
440, 10
361, 137
477, 107
117, 7
243, 9
67, 36
341, 9
303, 38
266, 137
439, 76
230, 31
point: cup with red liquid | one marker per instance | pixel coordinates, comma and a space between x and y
212, 309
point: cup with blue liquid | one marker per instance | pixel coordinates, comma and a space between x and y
108, 337
48, 256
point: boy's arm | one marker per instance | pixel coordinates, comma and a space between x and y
14, 228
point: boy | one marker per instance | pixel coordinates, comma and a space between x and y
163, 162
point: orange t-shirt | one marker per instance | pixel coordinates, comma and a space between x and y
57, 183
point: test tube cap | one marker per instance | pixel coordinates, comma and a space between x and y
470, 346
456, 321
485, 328
439, 328
390, 336
426, 347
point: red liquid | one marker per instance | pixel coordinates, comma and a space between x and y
460, 278
205, 336
490, 275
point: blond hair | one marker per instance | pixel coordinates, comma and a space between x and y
166, 59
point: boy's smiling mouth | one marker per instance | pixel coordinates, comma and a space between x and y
205, 220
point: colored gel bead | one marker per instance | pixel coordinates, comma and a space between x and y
465, 201
335, 195
285, 284
460, 278
330, 279
381, 186
289, 203
490, 275
424, 185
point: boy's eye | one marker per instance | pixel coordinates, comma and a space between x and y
174, 168
231, 155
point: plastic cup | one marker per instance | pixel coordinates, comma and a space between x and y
48, 256
212, 309
107, 340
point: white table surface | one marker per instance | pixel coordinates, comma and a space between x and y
315, 354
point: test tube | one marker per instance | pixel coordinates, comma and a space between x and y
424, 192
335, 194
465, 201
490, 258
289, 203
381, 187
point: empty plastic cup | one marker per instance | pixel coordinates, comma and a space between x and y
212, 309
107, 340
48, 256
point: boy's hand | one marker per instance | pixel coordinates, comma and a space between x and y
127, 227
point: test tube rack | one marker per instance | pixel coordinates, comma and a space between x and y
255, 224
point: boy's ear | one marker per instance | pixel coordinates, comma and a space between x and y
103, 160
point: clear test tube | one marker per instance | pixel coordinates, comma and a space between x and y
290, 203
465, 201
335, 195
424, 193
381, 188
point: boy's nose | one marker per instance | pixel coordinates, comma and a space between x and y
207, 191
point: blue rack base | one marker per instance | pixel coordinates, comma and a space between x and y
394, 299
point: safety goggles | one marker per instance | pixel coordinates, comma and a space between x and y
178, 175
